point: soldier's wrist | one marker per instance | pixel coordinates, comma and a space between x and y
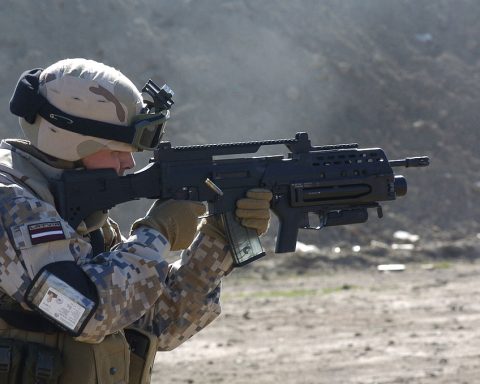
213, 227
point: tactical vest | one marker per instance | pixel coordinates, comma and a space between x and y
34, 351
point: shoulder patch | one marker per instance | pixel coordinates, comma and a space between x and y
38, 232
45, 232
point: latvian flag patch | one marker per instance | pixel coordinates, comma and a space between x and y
44, 232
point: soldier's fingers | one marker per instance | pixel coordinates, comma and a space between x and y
253, 204
260, 194
252, 214
260, 225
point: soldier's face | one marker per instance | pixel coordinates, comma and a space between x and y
106, 158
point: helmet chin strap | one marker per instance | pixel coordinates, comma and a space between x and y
52, 161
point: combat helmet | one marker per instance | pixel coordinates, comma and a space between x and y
77, 107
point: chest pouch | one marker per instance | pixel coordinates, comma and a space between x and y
23, 362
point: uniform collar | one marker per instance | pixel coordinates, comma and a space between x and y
35, 168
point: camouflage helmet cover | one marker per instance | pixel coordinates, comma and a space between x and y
87, 89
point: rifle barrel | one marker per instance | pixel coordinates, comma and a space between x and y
411, 162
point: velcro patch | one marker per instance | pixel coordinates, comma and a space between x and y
45, 232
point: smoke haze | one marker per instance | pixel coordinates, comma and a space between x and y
401, 75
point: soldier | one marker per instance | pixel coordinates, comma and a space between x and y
86, 305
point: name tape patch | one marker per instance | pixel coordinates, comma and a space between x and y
45, 232
61, 308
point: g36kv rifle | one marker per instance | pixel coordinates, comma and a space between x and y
336, 182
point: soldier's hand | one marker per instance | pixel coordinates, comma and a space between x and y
253, 211
177, 220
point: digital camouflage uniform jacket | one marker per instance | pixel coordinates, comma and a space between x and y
136, 286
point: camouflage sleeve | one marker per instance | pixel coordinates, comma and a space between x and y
191, 299
25, 239
129, 279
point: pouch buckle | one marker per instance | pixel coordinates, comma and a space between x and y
5, 358
44, 366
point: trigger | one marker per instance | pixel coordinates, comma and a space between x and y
379, 212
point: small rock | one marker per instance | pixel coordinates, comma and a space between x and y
419, 124
344, 68
476, 186
424, 37
391, 267
307, 248
403, 247
405, 236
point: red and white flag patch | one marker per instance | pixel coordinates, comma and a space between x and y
45, 232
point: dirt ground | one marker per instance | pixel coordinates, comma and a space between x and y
345, 326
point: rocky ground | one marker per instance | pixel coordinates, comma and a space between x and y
337, 325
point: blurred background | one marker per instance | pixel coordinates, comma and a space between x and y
401, 75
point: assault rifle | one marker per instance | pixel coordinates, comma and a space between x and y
337, 183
